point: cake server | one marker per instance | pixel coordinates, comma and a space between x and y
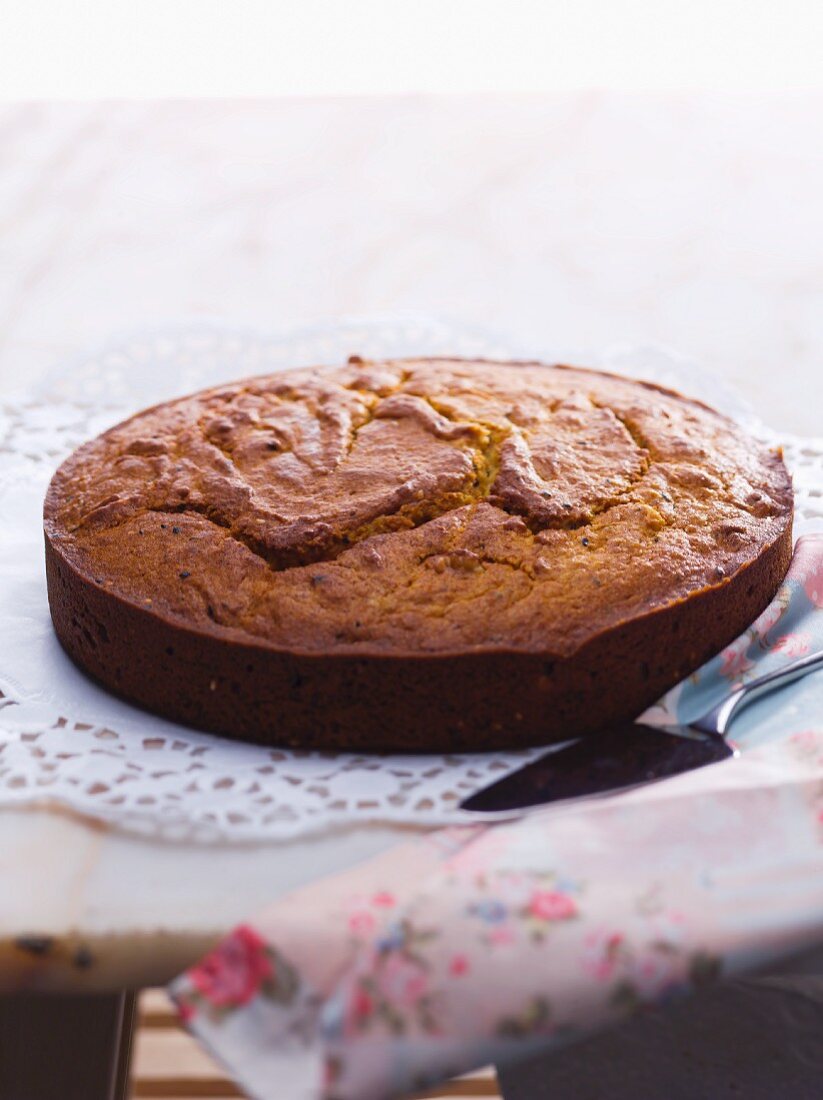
630, 754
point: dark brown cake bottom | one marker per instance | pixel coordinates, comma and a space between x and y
472, 702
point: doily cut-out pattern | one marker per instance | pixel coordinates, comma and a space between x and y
65, 740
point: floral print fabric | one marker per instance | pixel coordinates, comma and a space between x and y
484, 943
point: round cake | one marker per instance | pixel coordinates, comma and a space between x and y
413, 555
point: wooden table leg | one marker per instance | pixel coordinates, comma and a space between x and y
65, 1047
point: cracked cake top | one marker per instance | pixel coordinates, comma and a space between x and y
417, 506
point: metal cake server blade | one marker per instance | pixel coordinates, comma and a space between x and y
620, 757
631, 754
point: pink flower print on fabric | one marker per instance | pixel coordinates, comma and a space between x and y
733, 660
549, 905
367, 912
814, 586
501, 935
793, 645
602, 952
384, 900
806, 746
362, 923
234, 971
362, 1004
769, 618
459, 966
401, 981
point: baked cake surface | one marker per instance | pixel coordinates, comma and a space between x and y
420, 554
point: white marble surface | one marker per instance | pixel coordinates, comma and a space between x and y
574, 221
140, 910
571, 222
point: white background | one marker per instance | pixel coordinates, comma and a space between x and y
90, 48
611, 172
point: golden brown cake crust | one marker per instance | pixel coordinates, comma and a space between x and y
429, 554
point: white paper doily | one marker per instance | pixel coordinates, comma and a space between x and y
65, 740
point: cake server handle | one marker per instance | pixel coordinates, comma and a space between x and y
716, 721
